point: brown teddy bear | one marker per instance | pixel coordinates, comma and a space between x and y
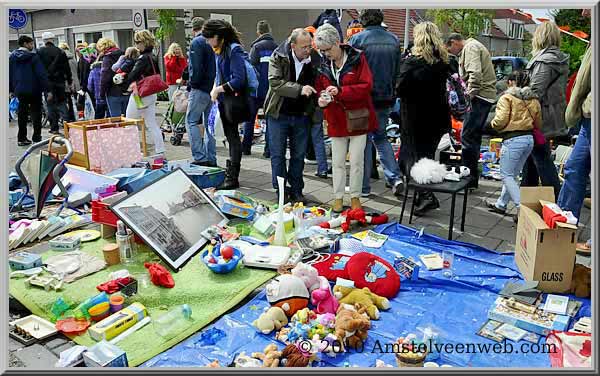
370, 301
270, 356
581, 284
291, 356
351, 326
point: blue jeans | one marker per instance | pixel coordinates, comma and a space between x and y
248, 127
577, 169
539, 166
56, 110
316, 134
296, 128
199, 104
513, 155
117, 105
471, 134
384, 148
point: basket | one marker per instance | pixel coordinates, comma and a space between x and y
410, 359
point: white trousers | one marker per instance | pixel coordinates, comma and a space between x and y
149, 116
339, 149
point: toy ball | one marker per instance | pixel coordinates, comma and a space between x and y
217, 263
227, 252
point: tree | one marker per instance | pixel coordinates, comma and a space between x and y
574, 47
166, 23
468, 22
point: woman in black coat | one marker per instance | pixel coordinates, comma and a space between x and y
424, 112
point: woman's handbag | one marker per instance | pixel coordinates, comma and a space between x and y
236, 108
357, 120
538, 136
151, 84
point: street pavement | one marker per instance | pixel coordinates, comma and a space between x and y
489, 230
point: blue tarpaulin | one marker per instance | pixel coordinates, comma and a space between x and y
455, 307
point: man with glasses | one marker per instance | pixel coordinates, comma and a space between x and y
290, 106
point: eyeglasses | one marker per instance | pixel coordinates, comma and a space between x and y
323, 50
306, 48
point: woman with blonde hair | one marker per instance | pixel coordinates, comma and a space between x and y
548, 72
175, 64
116, 95
146, 65
424, 112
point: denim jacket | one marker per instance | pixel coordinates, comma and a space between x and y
382, 50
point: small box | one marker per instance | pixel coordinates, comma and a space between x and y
539, 322
105, 354
65, 243
236, 207
451, 158
24, 261
118, 322
543, 254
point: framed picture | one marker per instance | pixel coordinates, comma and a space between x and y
170, 215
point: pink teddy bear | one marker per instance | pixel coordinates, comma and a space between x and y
323, 299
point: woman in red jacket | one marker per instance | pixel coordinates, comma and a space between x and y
345, 84
175, 64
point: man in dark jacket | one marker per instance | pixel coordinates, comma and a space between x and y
289, 106
329, 16
28, 80
57, 67
260, 52
382, 51
202, 71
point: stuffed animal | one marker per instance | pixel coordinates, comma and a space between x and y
287, 292
273, 319
304, 316
323, 298
270, 356
293, 356
581, 284
370, 301
428, 171
351, 326
309, 275
352, 216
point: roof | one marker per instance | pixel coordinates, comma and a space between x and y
507, 13
394, 19
497, 32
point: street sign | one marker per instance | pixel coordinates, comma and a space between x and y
17, 19
139, 19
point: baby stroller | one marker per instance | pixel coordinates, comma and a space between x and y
174, 120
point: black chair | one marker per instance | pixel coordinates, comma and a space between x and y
451, 187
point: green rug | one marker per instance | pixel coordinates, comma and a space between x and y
209, 295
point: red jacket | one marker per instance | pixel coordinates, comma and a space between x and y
354, 92
174, 66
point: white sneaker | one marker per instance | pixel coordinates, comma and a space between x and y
365, 195
397, 188
310, 161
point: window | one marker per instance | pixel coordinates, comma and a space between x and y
487, 27
92, 37
516, 30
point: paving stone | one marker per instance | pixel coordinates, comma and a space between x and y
57, 350
506, 246
484, 241
14, 345
55, 342
503, 232
481, 220
37, 356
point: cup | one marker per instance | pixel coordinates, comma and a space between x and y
111, 254
143, 281
448, 262
127, 247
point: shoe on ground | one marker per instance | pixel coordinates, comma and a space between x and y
202, 163
355, 203
427, 204
587, 202
297, 197
397, 189
310, 161
338, 205
322, 175
584, 248
36, 139
493, 208
24, 143
365, 195
330, 170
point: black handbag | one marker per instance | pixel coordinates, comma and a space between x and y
236, 108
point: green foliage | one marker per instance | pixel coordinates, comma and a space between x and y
166, 23
571, 45
468, 22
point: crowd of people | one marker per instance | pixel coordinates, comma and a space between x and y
318, 79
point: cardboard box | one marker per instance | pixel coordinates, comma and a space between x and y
539, 322
118, 322
543, 254
105, 354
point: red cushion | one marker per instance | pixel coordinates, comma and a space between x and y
369, 270
333, 267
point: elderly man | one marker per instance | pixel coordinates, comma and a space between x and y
477, 70
290, 105
57, 66
202, 72
382, 51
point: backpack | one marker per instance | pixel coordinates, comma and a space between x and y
252, 75
458, 99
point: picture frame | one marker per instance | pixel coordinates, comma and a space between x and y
170, 215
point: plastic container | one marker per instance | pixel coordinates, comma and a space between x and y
111, 254
222, 268
102, 214
174, 321
127, 247
116, 303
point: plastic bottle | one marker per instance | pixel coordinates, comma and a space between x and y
174, 321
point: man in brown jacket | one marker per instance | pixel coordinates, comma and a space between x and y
477, 70
290, 105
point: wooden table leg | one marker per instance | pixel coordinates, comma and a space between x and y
451, 229
464, 211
